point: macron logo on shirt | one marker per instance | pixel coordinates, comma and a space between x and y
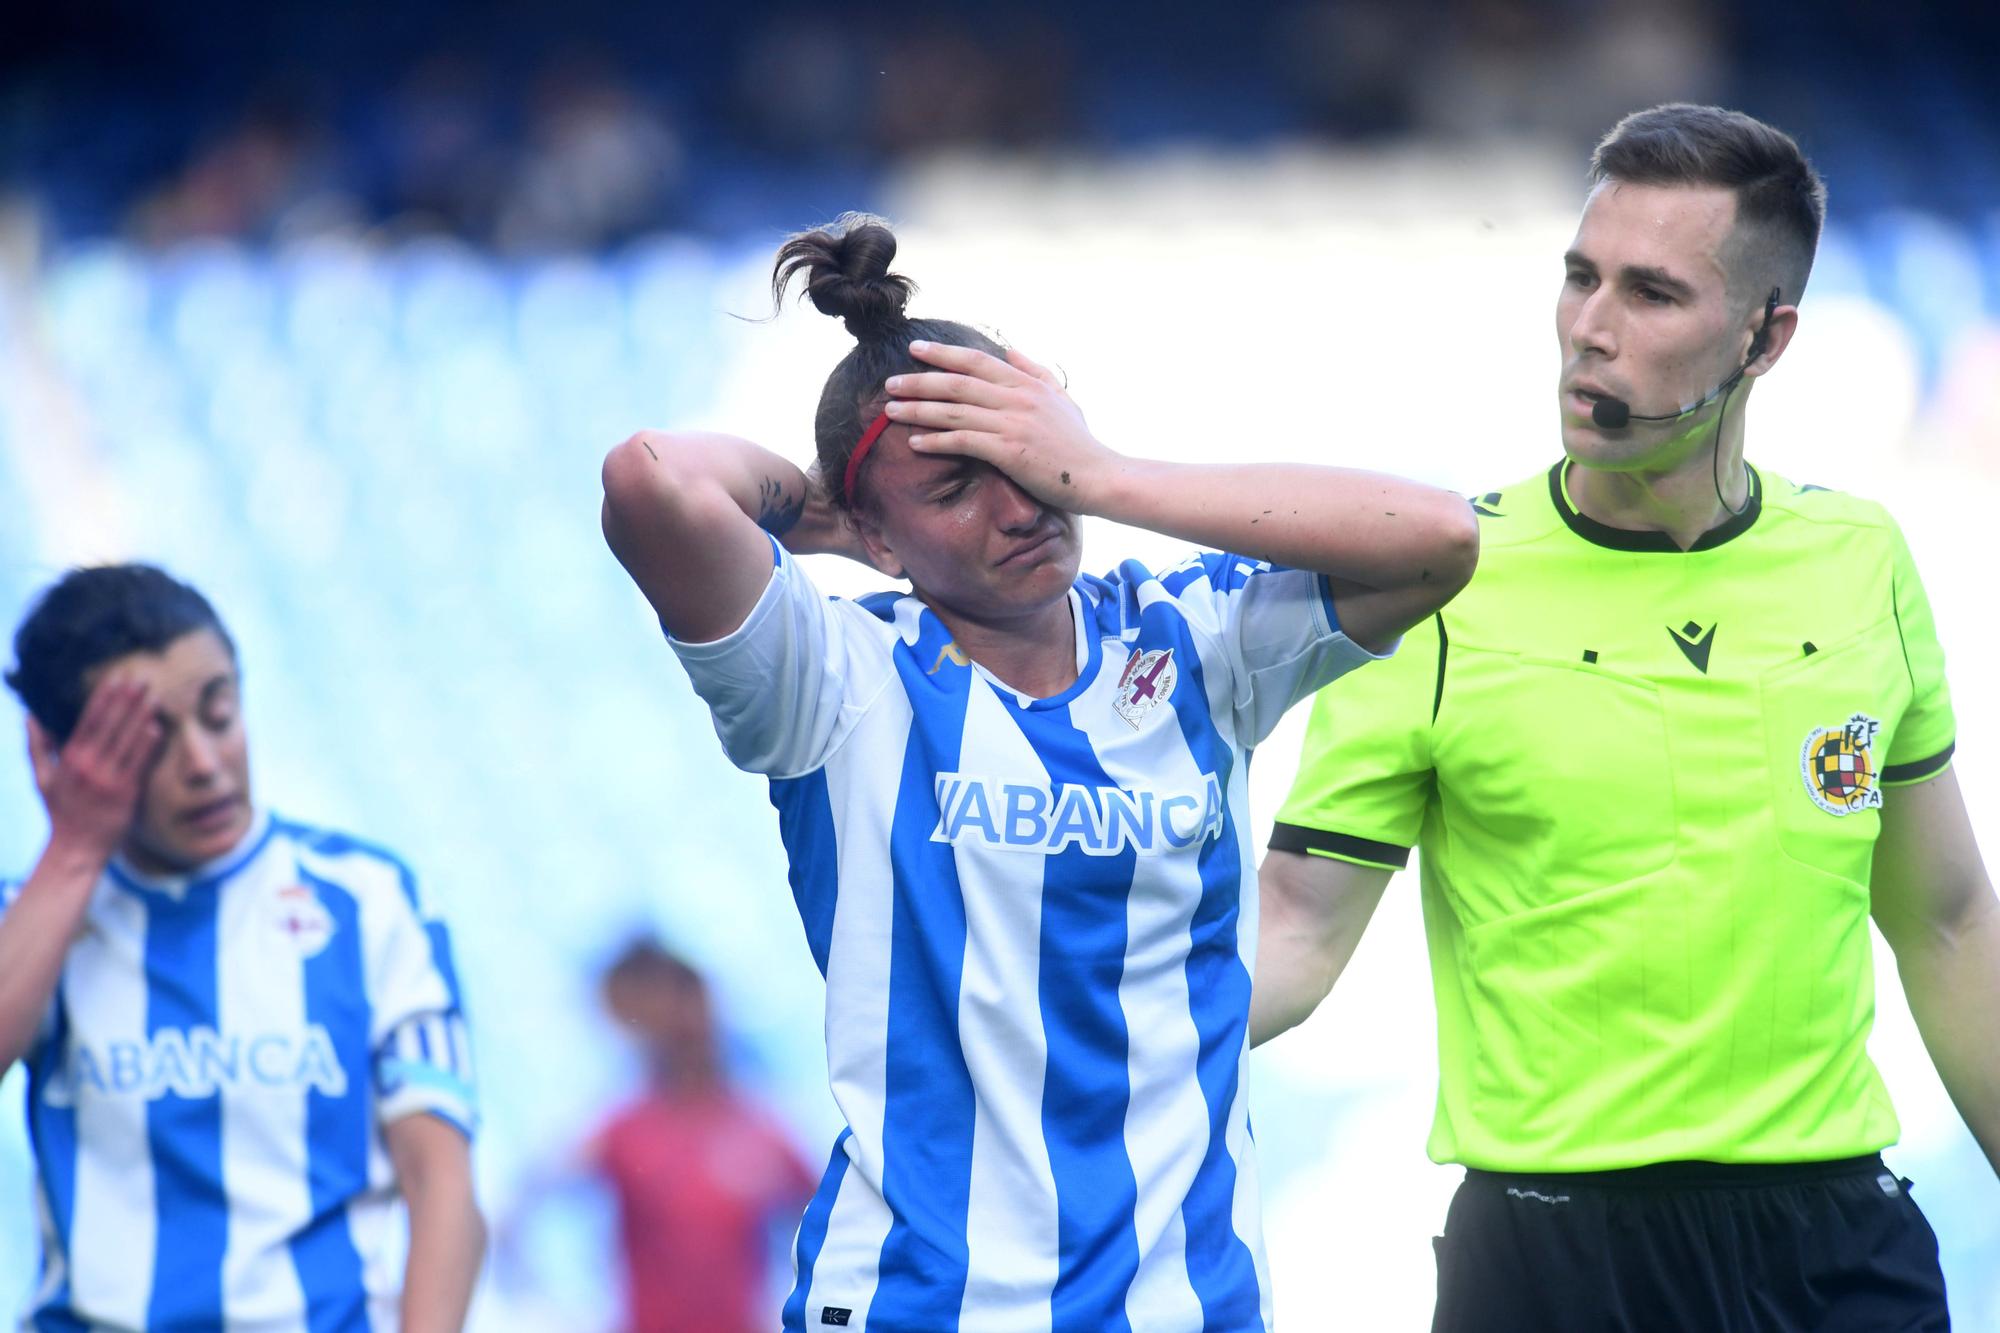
1099, 821
200, 1062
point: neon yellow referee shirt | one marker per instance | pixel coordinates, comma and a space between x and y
1646, 785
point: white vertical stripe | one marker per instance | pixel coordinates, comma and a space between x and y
1249, 1203
113, 1228
857, 1005
260, 988
1162, 1297
1221, 676
461, 1050
385, 1313
402, 974
1011, 1223
1248, 1213
381, 1167
380, 1236
1164, 1117
438, 1034
53, 1268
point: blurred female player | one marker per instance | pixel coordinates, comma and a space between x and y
1014, 802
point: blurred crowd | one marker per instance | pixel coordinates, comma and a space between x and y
528, 129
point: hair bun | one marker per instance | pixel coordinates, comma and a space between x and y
846, 264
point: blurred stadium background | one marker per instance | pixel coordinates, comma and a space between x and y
334, 311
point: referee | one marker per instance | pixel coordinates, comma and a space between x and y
1685, 732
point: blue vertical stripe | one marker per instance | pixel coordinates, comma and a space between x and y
185, 1133
1220, 1267
928, 1107
812, 1232
805, 821
52, 1136
328, 1265
329, 843
1087, 1085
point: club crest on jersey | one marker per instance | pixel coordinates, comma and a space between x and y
1148, 678
1838, 765
301, 917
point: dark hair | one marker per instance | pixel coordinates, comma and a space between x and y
90, 616
1778, 194
846, 264
643, 960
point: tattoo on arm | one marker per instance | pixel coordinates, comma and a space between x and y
777, 512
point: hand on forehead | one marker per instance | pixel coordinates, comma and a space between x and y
188, 674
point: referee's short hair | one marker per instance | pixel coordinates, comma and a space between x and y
1780, 199
89, 617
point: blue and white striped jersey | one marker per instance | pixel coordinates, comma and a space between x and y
1037, 921
207, 1092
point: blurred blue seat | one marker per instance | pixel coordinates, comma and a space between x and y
336, 296
1989, 260
1839, 268
1928, 271
216, 305
99, 303
447, 294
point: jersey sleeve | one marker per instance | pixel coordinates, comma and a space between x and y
423, 1049
1276, 627
1925, 737
1365, 771
788, 685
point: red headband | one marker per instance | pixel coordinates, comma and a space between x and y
868, 438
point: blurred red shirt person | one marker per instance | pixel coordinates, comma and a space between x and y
699, 1172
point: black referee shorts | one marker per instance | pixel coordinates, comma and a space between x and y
1690, 1247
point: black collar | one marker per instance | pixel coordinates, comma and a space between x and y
1627, 539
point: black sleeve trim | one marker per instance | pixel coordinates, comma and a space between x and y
1902, 641
1294, 838
1915, 771
1444, 650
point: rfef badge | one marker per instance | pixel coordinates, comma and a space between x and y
1838, 764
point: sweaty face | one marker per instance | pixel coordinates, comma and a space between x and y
969, 540
196, 804
1645, 315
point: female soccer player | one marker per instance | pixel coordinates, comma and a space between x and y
242, 1034
1014, 802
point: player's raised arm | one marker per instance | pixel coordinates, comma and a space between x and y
691, 516
91, 785
1396, 550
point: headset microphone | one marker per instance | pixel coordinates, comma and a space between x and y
1616, 413
1611, 413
